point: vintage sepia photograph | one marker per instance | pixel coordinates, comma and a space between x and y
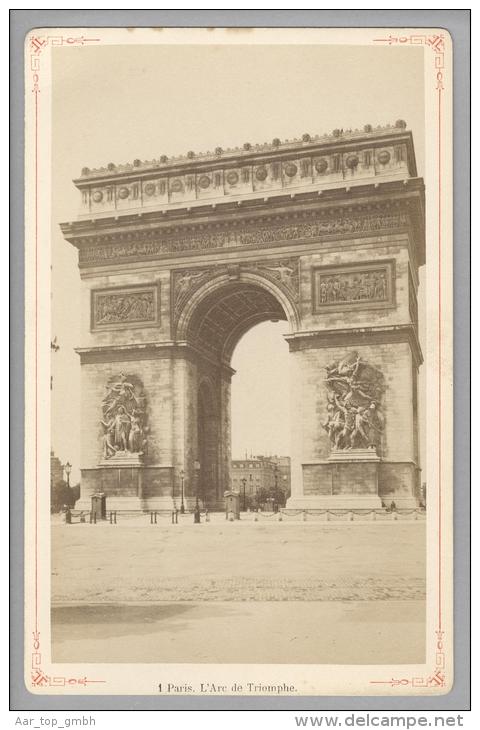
238, 370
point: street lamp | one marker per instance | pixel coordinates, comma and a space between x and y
68, 469
275, 472
244, 481
196, 514
182, 506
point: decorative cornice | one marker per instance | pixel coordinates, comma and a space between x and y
147, 351
361, 211
272, 170
355, 336
247, 151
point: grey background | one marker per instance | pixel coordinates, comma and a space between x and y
457, 23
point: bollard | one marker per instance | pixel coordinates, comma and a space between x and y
111, 518
151, 518
115, 517
155, 517
176, 516
94, 518
173, 518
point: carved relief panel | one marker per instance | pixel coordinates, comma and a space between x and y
357, 286
354, 418
283, 271
149, 246
133, 306
124, 418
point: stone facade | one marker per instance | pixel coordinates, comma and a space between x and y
180, 258
261, 472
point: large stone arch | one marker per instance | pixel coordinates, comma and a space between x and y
225, 282
179, 258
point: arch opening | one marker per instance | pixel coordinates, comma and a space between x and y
221, 317
214, 322
260, 392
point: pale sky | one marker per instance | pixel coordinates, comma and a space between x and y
115, 104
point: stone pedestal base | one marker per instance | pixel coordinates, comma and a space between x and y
333, 502
347, 480
353, 455
123, 459
128, 484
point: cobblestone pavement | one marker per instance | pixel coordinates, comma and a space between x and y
233, 562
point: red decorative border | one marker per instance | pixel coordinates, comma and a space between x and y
436, 43
38, 44
40, 679
437, 677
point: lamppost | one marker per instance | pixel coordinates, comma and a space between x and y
244, 481
196, 514
68, 469
182, 505
275, 472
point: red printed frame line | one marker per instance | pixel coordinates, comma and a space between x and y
437, 677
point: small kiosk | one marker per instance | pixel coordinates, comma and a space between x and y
232, 505
99, 506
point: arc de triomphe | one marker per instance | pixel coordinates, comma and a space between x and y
179, 258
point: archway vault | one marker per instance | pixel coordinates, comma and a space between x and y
220, 312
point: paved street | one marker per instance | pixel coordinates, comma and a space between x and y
253, 592
358, 632
238, 561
